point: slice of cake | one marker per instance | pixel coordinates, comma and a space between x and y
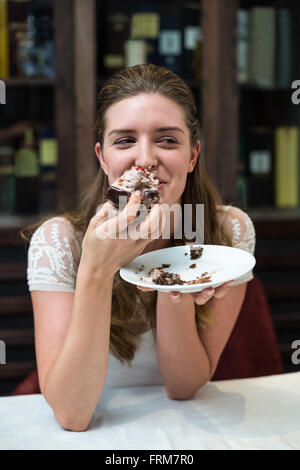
135, 178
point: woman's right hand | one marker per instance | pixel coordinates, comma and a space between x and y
102, 249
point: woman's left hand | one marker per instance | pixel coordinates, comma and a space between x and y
200, 298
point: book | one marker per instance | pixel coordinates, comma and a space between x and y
135, 52
192, 40
170, 43
286, 167
285, 47
262, 23
242, 45
145, 25
259, 143
4, 51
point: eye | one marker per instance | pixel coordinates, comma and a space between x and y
124, 141
168, 140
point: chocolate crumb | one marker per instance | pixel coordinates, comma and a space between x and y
159, 267
163, 278
196, 252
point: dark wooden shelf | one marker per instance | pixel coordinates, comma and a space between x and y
287, 321
29, 82
18, 337
13, 271
10, 227
282, 291
15, 306
260, 88
271, 214
275, 260
276, 227
19, 369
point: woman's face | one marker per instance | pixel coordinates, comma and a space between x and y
148, 130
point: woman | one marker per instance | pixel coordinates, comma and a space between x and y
90, 325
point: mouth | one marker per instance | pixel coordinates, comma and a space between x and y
160, 180
161, 185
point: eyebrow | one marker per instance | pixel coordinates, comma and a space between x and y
132, 131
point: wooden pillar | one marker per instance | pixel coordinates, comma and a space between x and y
75, 95
220, 95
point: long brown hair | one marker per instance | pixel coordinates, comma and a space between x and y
199, 189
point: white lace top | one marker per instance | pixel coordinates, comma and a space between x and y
54, 250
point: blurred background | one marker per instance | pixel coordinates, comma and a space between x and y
240, 59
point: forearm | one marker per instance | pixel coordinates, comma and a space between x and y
183, 360
75, 381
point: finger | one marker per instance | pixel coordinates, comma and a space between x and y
176, 297
151, 227
102, 212
129, 213
145, 289
102, 208
200, 298
222, 290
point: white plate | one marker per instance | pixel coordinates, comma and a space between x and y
222, 263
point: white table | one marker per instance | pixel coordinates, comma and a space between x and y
262, 413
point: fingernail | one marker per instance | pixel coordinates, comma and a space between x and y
231, 284
210, 291
175, 296
138, 192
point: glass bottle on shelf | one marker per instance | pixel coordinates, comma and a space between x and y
27, 176
44, 41
27, 51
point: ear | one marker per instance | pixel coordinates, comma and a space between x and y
195, 155
100, 157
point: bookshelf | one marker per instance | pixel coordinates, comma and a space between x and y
267, 64
266, 114
226, 106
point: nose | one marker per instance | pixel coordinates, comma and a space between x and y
146, 157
